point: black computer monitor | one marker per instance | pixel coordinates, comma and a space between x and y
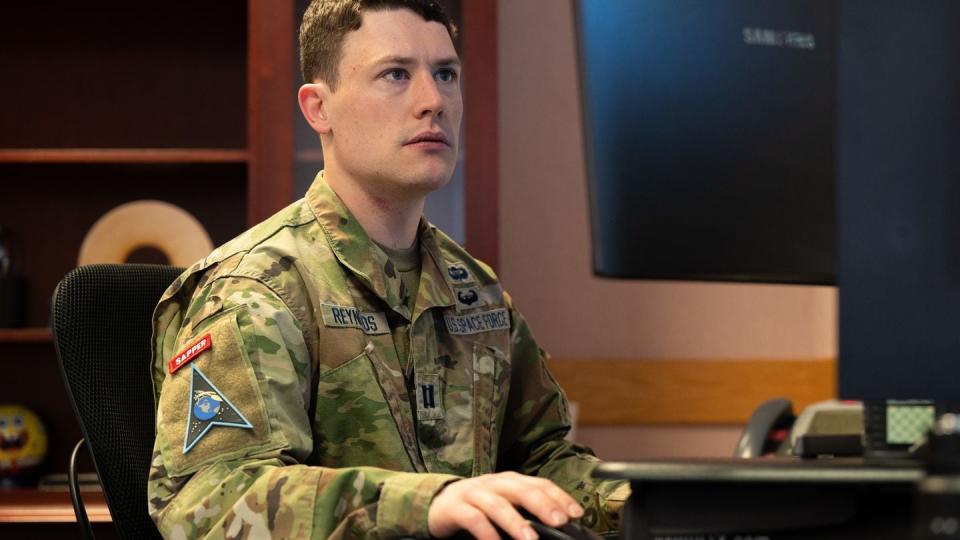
709, 129
724, 136
898, 198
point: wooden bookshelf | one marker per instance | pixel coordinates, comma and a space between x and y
24, 505
115, 102
26, 335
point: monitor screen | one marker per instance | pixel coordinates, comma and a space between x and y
709, 129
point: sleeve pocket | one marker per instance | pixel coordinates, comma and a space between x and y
211, 408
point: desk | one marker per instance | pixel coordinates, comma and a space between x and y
767, 499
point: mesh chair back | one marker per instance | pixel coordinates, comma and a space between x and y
102, 324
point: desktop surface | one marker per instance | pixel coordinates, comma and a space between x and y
767, 498
767, 469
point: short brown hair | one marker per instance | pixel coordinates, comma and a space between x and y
326, 22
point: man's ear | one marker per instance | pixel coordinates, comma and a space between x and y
314, 103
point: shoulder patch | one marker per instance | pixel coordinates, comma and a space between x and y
184, 357
209, 408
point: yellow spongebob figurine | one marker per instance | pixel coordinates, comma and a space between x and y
23, 445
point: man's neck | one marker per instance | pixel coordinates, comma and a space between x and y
390, 221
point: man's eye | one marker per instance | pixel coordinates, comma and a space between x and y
446, 75
396, 74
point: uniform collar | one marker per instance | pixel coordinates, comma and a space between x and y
372, 267
435, 290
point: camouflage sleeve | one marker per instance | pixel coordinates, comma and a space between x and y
233, 430
532, 441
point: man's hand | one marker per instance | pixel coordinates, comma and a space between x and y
476, 504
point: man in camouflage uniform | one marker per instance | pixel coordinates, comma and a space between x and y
345, 369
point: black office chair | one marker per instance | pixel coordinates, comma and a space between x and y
102, 323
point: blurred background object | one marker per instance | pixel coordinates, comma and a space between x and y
12, 296
23, 446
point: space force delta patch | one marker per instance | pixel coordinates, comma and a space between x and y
474, 323
371, 323
208, 408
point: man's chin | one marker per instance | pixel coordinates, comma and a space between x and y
410, 182
428, 180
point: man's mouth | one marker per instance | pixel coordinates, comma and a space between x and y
430, 137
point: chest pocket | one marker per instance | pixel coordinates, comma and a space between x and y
475, 387
354, 425
491, 374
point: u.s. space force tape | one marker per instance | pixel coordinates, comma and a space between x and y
474, 323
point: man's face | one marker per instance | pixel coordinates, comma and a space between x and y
395, 114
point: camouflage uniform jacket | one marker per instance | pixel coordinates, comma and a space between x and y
282, 409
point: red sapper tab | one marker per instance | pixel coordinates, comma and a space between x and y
192, 351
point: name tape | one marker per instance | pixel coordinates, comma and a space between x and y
371, 323
192, 351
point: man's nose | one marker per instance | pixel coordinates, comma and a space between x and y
429, 98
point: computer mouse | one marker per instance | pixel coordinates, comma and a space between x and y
570, 531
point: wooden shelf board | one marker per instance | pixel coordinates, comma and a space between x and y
689, 392
26, 335
25, 505
123, 155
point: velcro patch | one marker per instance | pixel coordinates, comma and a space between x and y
474, 323
184, 416
459, 273
469, 298
429, 396
372, 323
192, 351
